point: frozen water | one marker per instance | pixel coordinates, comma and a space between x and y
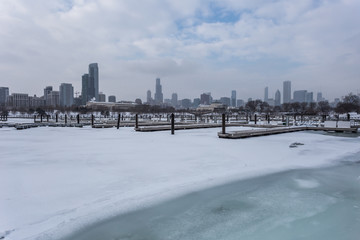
298, 204
56, 180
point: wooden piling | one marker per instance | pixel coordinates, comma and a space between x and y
57, 118
78, 119
47, 117
34, 118
41, 118
268, 118
92, 119
118, 122
136, 121
255, 118
223, 124
172, 124
65, 118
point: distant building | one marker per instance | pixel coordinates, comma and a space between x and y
225, 101
174, 100
158, 92
87, 91
149, 99
277, 98
286, 92
205, 98
111, 98
53, 98
309, 97
196, 102
319, 97
186, 103
102, 97
66, 95
266, 94
300, 96
35, 102
47, 90
138, 101
233, 98
240, 103
4, 94
18, 100
94, 79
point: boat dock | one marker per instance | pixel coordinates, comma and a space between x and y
271, 131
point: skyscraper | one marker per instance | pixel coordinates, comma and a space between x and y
277, 98
158, 92
47, 90
233, 98
85, 91
319, 97
111, 98
266, 94
4, 93
300, 96
174, 100
286, 92
66, 95
148, 97
94, 79
309, 97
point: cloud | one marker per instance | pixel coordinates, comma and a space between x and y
193, 46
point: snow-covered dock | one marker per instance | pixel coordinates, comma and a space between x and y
279, 130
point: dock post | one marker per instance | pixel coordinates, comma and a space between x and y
324, 118
348, 116
255, 118
136, 121
57, 118
172, 124
41, 117
78, 119
227, 118
223, 124
65, 118
47, 117
268, 118
247, 117
34, 118
118, 122
92, 119
287, 121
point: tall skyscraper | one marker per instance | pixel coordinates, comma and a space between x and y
233, 98
158, 92
94, 79
277, 98
4, 93
286, 92
174, 99
309, 97
205, 98
266, 94
85, 91
148, 97
66, 95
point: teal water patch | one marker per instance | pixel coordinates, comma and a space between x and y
297, 204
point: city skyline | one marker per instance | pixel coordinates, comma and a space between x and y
211, 46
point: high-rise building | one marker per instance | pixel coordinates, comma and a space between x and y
85, 89
102, 97
286, 92
186, 103
54, 99
309, 97
158, 92
266, 94
111, 98
196, 102
148, 97
18, 100
233, 98
94, 79
319, 97
66, 95
205, 98
300, 96
47, 90
225, 101
174, 100
277, 98
4, 94
240, 103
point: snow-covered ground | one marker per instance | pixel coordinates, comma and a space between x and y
56, 180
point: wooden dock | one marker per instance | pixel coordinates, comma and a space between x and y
187, 126
279, 130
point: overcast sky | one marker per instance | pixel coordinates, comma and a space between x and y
194, 46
